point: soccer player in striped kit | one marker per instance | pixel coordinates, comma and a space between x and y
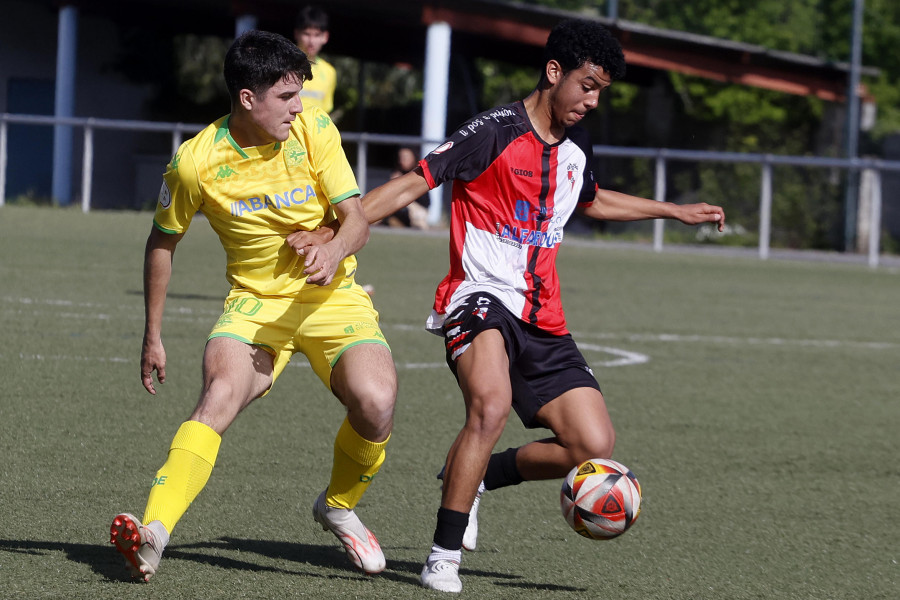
518, 173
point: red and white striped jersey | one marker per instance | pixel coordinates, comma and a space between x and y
512, 195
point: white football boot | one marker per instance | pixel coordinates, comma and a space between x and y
441, 574
138, 544
470, 537
359, 543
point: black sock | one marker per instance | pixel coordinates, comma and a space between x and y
451, 525
502, 470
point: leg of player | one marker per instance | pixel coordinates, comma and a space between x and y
582, 429
488, 399
364, 380
232, 378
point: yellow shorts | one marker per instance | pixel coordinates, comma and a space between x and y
320, 322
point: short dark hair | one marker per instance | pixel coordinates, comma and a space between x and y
257, 60
311, 16
574, 42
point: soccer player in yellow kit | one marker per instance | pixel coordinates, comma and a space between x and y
260, 175
311, 34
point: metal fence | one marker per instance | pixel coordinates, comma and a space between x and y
871, 168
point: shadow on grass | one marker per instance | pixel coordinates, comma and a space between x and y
105, 561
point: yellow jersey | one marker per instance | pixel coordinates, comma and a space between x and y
254, 197
319, 91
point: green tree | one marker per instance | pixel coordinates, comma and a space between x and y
716, 116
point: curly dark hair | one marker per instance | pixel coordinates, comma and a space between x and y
574, 42
257, 60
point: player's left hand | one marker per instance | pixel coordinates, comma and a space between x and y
694, 214
301, 241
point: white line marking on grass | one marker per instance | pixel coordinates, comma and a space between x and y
625, 359
751, 341
621, 357
57, 357
170, 308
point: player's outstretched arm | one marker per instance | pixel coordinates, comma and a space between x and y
390, 197
379, 203
616, 206
157, 272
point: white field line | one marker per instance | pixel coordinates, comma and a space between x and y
615, 357
735, 340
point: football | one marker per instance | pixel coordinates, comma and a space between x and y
600, 499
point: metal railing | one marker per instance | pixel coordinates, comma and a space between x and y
661, 156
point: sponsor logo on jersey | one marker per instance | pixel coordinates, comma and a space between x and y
165, 196
224, 172
294, 197
364, 326
322, 121
516, 236
522, 172
525, 213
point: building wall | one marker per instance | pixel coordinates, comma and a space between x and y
28, 47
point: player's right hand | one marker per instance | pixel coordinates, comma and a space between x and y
153, 358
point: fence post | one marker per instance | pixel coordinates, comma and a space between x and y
3, 138
87, 166
874, 217
362, 152
176, 139
660, 195
765, 209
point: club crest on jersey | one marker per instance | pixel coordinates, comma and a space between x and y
572, 171
294, 153
480, 312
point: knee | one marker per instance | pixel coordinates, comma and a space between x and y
487, 417
382, 400
599, 444
377, 398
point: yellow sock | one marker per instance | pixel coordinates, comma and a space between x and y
186, 471
356, 461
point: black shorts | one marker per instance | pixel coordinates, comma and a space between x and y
542, 366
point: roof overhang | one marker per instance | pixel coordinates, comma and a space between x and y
393, 31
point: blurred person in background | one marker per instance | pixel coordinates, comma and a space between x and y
416, 214
311, 34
